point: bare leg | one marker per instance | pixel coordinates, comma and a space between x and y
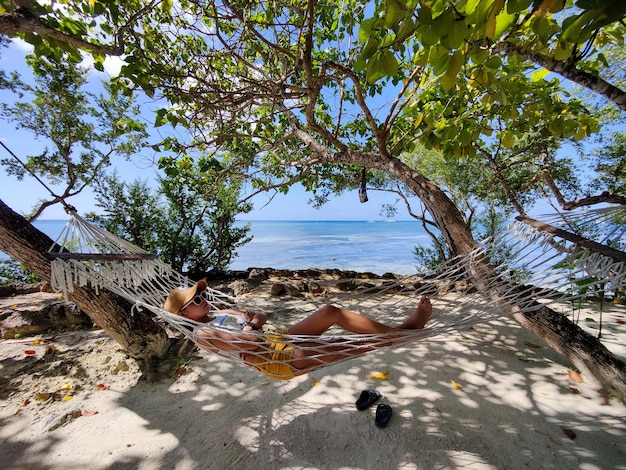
331, 352
329, 315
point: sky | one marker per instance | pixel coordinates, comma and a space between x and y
23, 195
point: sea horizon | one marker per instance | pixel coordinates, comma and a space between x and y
376, 246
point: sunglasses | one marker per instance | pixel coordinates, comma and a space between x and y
197, 300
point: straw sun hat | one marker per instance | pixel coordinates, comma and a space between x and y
183, 295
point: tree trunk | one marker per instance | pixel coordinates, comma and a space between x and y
138, 334
584, 351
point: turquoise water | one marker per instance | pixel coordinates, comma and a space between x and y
377, 247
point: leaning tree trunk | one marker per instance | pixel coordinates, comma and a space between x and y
584, 351
138, 334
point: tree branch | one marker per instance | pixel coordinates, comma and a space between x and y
12, 25
569, 71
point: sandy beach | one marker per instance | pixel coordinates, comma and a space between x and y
491, 397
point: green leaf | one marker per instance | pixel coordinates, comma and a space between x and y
161, 117
388, 63
504, 21
458, 33
563, 51
454, 66
366, 29
375, 70
394, 13
508, 139
538, 75
407, 28
494, 62
370, 48
516, 6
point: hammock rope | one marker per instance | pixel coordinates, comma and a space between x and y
540, 265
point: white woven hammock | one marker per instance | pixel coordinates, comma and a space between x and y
541, 264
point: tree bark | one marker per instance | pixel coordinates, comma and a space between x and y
585, 351
138, 334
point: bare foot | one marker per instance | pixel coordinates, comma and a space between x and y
422, 314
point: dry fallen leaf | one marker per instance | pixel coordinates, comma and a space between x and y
532, 345
36, 342
316, 382
384, 375
575, 376
575, 390
68, 398
102, 387
455, 385
30, 352
65, 387
88, 412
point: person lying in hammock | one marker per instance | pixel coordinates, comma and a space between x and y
271, 353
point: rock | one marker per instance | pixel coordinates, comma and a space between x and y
19, 288
241, 286
347, 286
295, 290
38, 313
259, 274
314, 288
56, 421
313, 273
277, 289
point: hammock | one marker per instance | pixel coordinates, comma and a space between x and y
560, 259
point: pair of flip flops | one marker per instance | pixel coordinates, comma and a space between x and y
383, 410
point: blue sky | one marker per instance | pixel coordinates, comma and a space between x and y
22, 196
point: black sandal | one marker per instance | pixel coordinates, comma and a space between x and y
367, 399
383, 414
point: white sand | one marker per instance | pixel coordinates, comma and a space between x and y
515, 410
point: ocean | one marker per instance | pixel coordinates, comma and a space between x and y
375, 246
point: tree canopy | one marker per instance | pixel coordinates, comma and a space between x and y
285, 92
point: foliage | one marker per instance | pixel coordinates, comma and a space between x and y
85, 130
611, 165
132, 211
294, 93
189, 226
11, 272
284, 93
202, 205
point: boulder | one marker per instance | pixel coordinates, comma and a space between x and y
277, 289
38, 313
241, 286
